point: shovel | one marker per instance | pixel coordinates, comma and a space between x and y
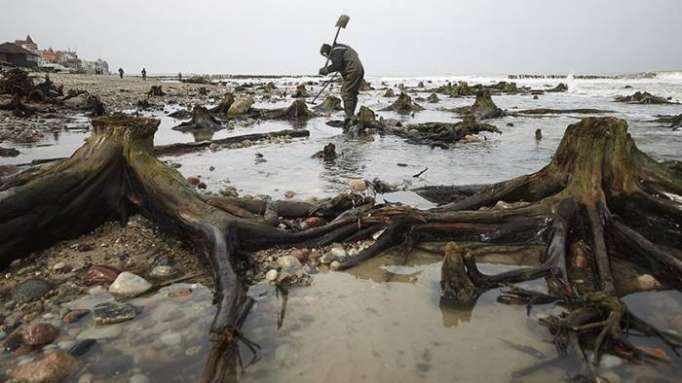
342, 22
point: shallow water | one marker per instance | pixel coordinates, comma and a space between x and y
378, 324
382, 322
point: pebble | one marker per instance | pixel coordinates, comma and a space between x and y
194, 181
128, 284
85, 378
289, 263
335, 265
60, 267
314, 222
648, 282
101, 274
161, 272
580, 261
300, 254
30, 290
338, 251
113, 312
327, 258
358, 186
39, 334
272, 275
52, 368
171, 339
75, 315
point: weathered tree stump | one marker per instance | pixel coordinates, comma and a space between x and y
156, 91
224, 106
404, 104
482, 109
201, 120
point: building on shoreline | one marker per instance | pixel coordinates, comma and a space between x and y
14, 55
28, 44
25, 53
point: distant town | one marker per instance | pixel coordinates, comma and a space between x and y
27, 54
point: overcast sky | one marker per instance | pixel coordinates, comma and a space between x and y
393, 37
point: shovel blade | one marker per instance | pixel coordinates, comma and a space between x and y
343, 21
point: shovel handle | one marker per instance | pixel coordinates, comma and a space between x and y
324, 87
334, 43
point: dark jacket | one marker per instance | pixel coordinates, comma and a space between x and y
343, 59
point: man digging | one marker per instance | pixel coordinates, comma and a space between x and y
345, 60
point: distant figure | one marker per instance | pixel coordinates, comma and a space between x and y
120, 72
538, 134
179, 76
346, 61
144, 74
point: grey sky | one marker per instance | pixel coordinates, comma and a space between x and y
393, 37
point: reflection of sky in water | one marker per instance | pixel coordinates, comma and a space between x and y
515, 152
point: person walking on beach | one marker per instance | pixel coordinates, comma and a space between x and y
179, 76
345, 60
144, 74
120, 72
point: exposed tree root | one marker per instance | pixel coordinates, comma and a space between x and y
439, 134
576, 206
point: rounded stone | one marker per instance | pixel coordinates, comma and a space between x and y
30, 290
101, 274
335, 265
128, 284
272, 275
53, 367
39, 334
113, 312
163, 271
358, 186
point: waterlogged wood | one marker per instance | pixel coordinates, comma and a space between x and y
187, 147
596, 176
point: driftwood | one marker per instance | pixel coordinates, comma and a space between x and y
543, 111
599, 198
297, 111
439, 134
187, 147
